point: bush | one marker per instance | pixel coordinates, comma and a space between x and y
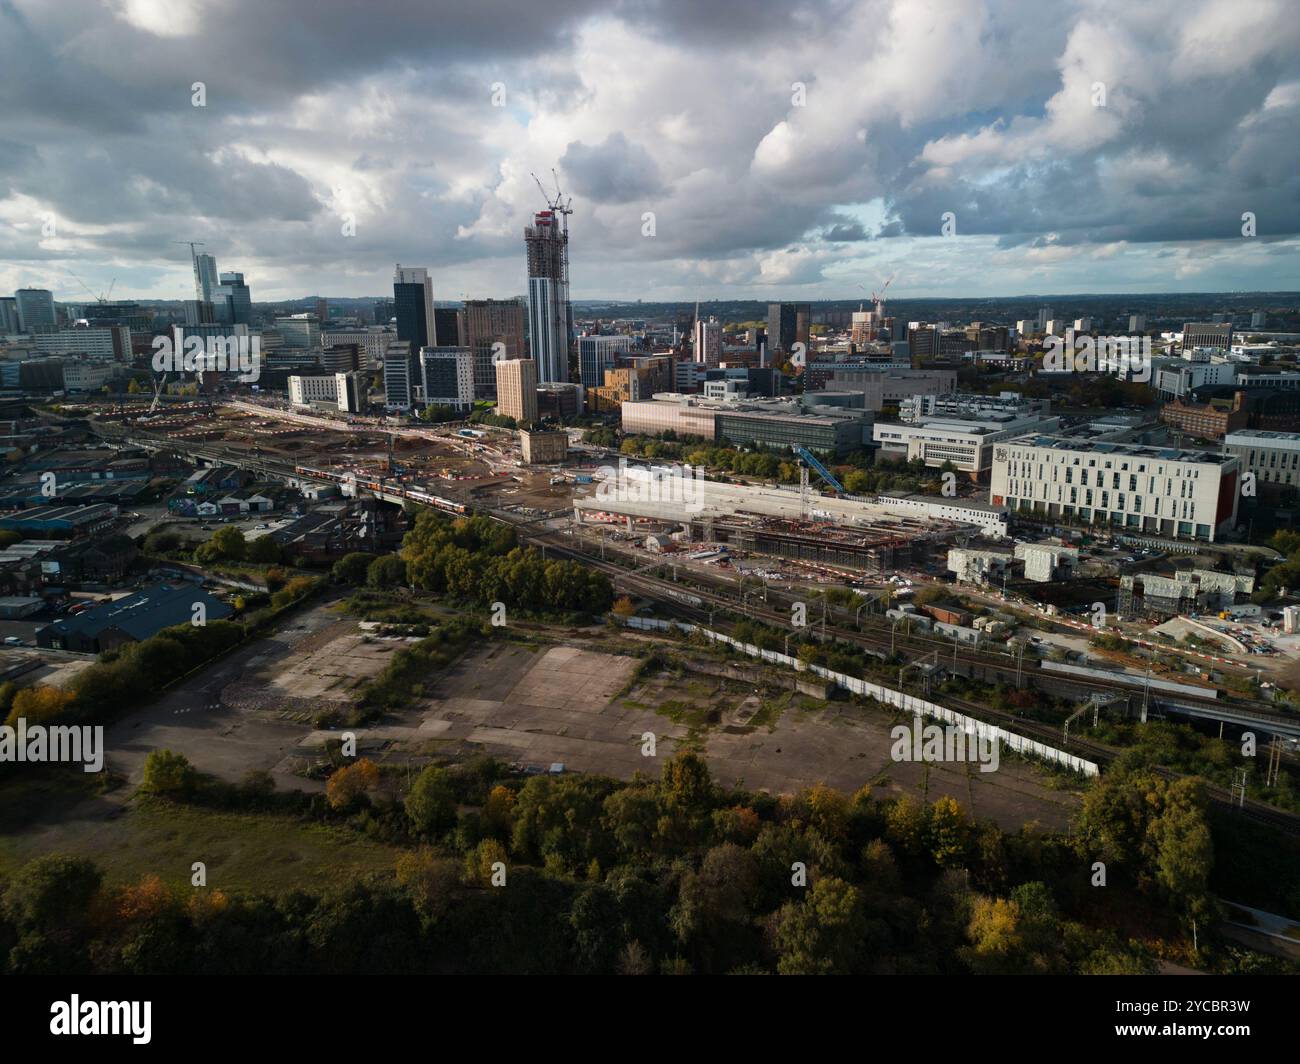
168, 775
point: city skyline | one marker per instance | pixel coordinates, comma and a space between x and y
826, 159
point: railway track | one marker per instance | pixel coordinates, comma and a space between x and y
653, 588
656, 589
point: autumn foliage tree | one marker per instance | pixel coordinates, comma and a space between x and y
352, 782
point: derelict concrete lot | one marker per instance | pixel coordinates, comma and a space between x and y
545, 705
539, 704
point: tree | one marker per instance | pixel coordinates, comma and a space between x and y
386, 571
857, 482
168, 774
1184, 851
997, 945
352, 568
227, 544
479, 862
685, 782
351, 783
624, 606
54, 891
949, 832
38, 704
497, 810
264, 550
823, 934
430, 805
430, 881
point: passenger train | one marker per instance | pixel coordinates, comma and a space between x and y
391, 487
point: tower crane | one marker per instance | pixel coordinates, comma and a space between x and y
878, 298
103, 296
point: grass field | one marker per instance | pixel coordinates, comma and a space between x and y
131, 839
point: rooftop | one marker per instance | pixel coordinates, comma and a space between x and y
146, 612
1136, 450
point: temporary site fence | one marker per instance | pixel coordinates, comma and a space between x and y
886, 695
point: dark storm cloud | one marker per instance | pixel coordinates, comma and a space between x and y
614, 171
380, 112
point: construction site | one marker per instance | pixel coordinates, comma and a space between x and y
815, 530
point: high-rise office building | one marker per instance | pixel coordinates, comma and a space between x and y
787, 325
299, 330
35, 309
199, 312
447, 374
708, 341
447, 327
550, 314
352, 390
341, 358
205, 277
1044, 316
1258, 319
517, 389
413, 306
597, 354
1137, 323
9, 315
397, 376
489, 322
232, 301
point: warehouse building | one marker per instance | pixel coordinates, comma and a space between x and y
60, 522
131, 619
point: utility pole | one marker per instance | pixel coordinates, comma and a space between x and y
1238, 793
1274, 762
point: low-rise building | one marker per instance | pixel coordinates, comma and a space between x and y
991, 520
303, 391
131, 619
965, 445
1045, 562
971, 566
544, 448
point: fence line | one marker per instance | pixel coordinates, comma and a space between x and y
887, 695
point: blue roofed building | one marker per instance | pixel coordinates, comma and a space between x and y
131, 619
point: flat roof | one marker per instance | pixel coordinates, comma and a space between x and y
1137, 450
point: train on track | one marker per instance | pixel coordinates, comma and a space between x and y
387, 487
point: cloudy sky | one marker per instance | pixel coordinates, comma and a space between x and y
782, 149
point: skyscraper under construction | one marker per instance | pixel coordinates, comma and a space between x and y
550, 315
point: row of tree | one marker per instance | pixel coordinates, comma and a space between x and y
674, 874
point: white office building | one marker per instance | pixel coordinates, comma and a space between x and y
1274, 457
1159, 491
1175, 379
708, 341
303, 391
966, 444
969, 406
398, 387
106, 342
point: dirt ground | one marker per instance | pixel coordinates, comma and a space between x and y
579, 703
562, 704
